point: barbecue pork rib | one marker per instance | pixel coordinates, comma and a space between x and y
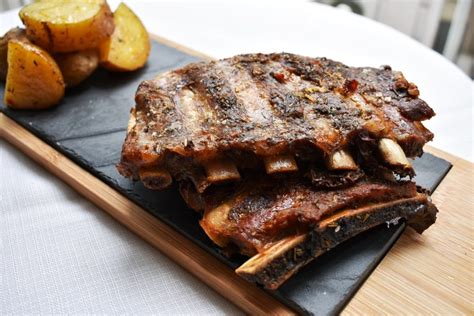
209, 122
284, 225
321, 151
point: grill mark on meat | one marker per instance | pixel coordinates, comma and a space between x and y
228, 111
285, 93
219, 121
287, 102
160, 113
291, 99
209, 130
327, 112
210, 117
279, 133
189, 110
256, 109
285, 108
242, 83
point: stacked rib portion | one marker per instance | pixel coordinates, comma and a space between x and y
285, 156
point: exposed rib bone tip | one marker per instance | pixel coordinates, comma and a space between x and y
393, 154
280, 163
220, 170
155, 178
341, 160
263, 259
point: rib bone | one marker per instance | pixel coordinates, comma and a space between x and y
280, 261
265, 258
220, 170
393, 154
341, 160
155, 178
216, 219
280, 163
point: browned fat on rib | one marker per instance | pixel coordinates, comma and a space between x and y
261, 212
280, 260
269, 106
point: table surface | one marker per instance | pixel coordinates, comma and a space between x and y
59, 253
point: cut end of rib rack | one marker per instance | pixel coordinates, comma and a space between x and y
280, 164
341, 160
155, 178
221, 170
393, 154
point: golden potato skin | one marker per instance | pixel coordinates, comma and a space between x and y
34, 80
129, 46
77, 66
14, 33
61, 26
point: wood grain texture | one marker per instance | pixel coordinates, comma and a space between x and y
431, 273
191, 257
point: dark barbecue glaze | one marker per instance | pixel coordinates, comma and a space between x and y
258, 105
255, 214
418, 212
285, 225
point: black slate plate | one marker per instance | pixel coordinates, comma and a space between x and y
89, 127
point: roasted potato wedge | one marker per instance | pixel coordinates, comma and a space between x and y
14, 33
34, 80
129, 46
67, 25
77, 66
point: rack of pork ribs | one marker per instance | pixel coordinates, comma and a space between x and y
285, 156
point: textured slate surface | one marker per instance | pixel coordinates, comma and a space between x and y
89, 127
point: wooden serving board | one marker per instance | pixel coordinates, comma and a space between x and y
79, 141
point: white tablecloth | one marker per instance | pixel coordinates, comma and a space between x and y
61, 254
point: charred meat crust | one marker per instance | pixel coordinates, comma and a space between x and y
320, 147
256, 213
418, 212
268, 104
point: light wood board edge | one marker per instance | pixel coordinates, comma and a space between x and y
186, 253
432, 273
180, 249
453, 197
371, 298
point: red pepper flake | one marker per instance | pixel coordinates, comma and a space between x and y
351, 85
280, 77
